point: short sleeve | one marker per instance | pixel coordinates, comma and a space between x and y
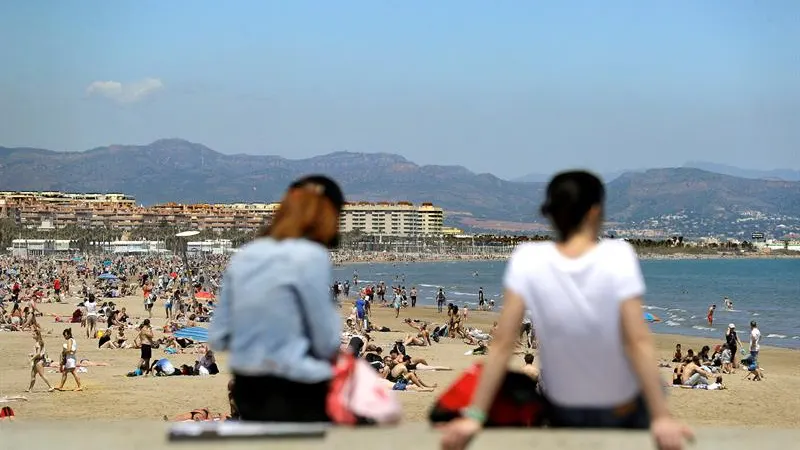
628, 274
514, 278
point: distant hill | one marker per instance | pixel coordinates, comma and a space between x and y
181, 171
544, 178
775, 174
704, 195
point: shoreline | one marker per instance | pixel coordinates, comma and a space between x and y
376, 257
676, 337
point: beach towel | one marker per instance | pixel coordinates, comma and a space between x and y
358, 395
517, 404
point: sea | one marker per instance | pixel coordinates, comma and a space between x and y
679, 292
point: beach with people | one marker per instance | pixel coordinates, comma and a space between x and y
356, 257
110, 394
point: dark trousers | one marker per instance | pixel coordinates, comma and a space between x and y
272, 399
633, 415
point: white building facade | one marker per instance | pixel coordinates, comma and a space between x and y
401, 219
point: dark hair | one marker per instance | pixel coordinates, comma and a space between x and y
570, 195
528, 358
303, 213
67, 333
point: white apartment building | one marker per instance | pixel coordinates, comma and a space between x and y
401, 219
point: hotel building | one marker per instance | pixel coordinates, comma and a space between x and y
401, 219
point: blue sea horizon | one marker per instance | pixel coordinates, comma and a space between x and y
678, 291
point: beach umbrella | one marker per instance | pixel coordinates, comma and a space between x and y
197, 334
107, 276
107, 263
203, 295
650, 317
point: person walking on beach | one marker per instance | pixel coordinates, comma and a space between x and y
91, 316
755, 341
361, 313
275, 313
37, 361
481, 299
146, 343
733, 342
413, 294
396, 303
440, 299
69, 362
710, 316
583, 293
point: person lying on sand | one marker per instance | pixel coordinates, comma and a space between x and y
198, 415
414, 363
422, 338
399, 375
81, 363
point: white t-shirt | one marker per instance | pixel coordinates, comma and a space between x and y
575, 307
755, 340
91, 308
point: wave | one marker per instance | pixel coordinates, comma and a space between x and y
467, 294
654, 307
670, 323
777, 336
698, 327
429, 285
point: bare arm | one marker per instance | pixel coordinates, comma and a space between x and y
496, 364
641, 352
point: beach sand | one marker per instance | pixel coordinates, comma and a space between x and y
110, 395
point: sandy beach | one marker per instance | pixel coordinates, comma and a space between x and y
345, 257
110, 395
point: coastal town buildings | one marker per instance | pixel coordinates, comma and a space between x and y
57, 210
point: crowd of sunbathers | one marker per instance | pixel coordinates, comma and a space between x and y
704, 369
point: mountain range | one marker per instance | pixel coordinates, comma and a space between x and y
181, 171
755, 174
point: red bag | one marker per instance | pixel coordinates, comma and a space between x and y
359, 396
517, 404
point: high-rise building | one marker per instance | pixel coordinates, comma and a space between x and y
401, 219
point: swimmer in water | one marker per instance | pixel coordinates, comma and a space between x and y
711, 314
728, 304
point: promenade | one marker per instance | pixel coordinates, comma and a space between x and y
88, 435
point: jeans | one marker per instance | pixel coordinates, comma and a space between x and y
272, 399
632, 415
754, 355
696, 379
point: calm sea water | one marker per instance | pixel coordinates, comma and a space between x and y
679, 291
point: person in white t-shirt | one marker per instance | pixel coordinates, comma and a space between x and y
755, 341
91, 316
585, 298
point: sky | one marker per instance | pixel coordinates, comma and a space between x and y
503, 86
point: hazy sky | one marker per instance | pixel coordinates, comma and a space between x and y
501, 86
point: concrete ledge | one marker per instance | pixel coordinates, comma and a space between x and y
137, 435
